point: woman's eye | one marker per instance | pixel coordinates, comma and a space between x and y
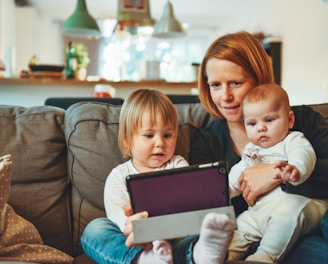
148, 135
214, 86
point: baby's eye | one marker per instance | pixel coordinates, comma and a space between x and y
269, 119
251, 123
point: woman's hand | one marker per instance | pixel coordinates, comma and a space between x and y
128, 232
258, 180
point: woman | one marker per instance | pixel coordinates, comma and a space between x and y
233, 65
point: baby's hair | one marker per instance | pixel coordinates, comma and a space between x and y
270, 92
140, 102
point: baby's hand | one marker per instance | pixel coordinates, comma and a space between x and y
287, 172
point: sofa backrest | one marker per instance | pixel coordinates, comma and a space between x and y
91, 131
61, 161
321, 109
39, 192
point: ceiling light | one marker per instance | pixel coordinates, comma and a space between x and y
81, 23
168, 26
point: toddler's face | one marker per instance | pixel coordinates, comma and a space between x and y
154, 144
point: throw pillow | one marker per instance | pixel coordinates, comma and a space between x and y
5, 170
19, 239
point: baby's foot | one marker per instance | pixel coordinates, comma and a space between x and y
214, 239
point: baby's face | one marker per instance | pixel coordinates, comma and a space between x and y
266, 124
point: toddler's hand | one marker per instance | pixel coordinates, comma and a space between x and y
128, 231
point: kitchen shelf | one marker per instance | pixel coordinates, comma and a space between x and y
67, 82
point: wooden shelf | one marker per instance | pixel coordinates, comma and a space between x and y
34, 91
67, 82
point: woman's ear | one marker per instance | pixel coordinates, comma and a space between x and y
291, 119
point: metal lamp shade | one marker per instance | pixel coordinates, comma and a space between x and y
81, 23
168, 26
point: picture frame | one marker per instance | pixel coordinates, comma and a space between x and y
134, 5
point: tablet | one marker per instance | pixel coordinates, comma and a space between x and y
196, 187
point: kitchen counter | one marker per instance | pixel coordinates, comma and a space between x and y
34, 91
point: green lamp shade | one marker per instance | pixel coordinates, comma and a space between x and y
81, 23
168, 26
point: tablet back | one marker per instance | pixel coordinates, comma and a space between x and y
196, 187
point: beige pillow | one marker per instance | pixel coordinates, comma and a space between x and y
5, 170
19, 239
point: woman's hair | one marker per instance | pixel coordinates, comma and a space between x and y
243, 49
273, 93
139, 103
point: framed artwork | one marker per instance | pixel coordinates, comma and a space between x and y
134, 5
136, 11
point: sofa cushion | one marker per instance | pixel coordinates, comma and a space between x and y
91, 131
91, 134
39, 192
192, 118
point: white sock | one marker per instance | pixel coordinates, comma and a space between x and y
163, 250
214, 239
161, 253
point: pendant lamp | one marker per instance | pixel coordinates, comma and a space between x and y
81, 23
168, 26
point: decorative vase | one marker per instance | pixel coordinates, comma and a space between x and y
81, 74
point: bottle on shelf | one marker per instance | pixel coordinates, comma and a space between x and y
71, 61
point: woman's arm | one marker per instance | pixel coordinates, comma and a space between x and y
257, 180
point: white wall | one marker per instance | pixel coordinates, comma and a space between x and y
26, 37
7, 38
301, 24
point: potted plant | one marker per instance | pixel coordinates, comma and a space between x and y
79, 53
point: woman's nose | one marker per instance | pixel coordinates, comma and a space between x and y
226, 94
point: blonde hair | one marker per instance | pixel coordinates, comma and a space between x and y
243, 49
139, 103
272, 93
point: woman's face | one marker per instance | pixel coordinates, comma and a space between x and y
228, 84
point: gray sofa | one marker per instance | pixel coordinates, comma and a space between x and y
62, 158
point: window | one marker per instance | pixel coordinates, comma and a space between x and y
133, 55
